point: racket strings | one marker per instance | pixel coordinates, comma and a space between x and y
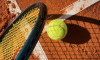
22, 23
14, 30
15, 38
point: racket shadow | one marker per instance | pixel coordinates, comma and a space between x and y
75, 17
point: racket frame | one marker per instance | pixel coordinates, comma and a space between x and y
35, 33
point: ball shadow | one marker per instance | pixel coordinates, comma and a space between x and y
76, 35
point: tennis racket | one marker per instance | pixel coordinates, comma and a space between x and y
20, 37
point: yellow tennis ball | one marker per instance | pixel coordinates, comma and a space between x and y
57, 29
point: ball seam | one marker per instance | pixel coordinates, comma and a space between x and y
59, 26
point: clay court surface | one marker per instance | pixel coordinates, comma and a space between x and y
83, 39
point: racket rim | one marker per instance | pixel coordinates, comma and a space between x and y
43, 11
19, 16
41, 16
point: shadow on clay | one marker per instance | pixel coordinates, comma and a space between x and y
76, 35
75, 17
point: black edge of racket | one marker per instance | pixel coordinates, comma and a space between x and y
35, 33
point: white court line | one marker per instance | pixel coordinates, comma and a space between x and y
14, 10
73, 9
76, 8
38, 51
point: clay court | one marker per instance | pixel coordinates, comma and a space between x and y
82, 41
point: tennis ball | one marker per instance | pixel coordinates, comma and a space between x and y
57, 29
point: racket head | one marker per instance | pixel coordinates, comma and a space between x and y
34, 35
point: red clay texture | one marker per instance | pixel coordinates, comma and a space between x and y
82, 40
5, 16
